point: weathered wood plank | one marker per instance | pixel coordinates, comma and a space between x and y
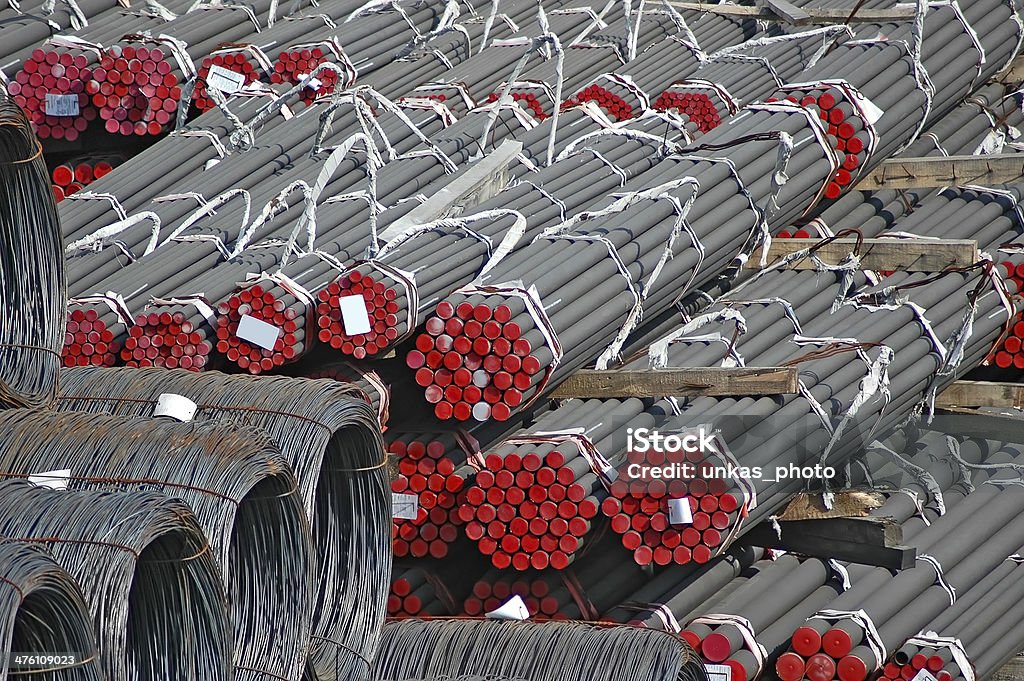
713, 381
814, 15
905, 255
944, 171
981, 394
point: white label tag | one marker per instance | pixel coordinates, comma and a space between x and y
923, 675
225, 80
718, 672
679, 512
57, 480
354, 315
404, 506
61, 105
257, 331
176, 406
313, 84
513, 609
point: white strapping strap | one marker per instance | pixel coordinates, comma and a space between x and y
657, 353
197, 300
940, 577
920, 474
930, 639
95, 241
861, 619
112, 300
109, 198
601, 467
746, 630
209, 208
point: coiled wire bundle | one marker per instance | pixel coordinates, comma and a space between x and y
146, 570
331, 438
237, 483
42, 612
31, 268
555, 651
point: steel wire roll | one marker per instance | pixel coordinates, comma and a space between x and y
145, 567
560, 651
331, 438
42, 611
237, 483
31, 268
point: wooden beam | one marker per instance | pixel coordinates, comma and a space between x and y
905, 255
787, 10
815, 15
943, 171
981, 394
714, 381
978, 424
1014, 73
869, 541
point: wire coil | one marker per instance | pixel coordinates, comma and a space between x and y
331, 438
237, 483
153, 592
31, 268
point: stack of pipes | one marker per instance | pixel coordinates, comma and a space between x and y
75, 173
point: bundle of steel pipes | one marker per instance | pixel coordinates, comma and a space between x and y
31, 268
601, 582
43, 611
151, 583
331, 439
429, 588
237, 483
632, 270
564, 650
891, 608
434, 469
62, 83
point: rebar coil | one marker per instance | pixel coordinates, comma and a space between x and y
237, 483
532, 651
43, 612
331, 438
145, 567
31, 268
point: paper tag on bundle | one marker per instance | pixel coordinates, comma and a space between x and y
404, 506
354, 315
257, 331
61, 105
513, 609
679, 512
313, 84
718, 672
225, 80
177, 407
56, 480
923, 675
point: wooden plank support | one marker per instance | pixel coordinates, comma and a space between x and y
981, 394
709, 381
978, 424
787, 10
1014, 73
814, 15
905, 255
943, 171
868, 541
